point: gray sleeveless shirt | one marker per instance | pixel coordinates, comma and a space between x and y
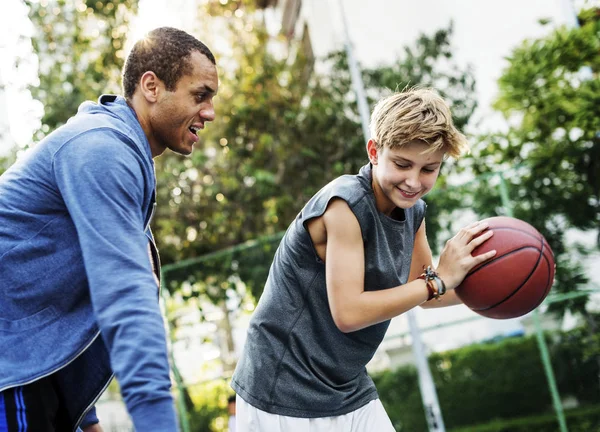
296, 362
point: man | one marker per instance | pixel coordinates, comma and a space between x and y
351, 260
76, 253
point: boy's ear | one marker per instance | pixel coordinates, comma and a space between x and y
372, 152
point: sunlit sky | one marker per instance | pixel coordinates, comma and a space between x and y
18, 111
485, 31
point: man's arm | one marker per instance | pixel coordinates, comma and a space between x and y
102, 183
90, 422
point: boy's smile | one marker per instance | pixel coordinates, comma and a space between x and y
403, 175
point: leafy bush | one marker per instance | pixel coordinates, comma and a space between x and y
578, 420
209, 406
502, 381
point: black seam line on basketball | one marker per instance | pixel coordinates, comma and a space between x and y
515, 229
484, 265
514, 250
549, 283
541, 249
539, 301
516, 289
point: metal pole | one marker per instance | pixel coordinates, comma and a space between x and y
558, 408
433, 413
570, 13
357, 82
428, 394
560, 415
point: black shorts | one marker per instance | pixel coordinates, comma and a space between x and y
36, 407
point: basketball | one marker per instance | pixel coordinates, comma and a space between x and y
517, 279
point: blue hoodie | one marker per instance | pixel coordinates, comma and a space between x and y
74, 264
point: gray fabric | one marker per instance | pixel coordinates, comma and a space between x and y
296, 362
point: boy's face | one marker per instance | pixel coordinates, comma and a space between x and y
403, 175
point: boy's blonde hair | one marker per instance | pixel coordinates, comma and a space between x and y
416, 114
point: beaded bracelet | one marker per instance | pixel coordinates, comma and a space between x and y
435, 285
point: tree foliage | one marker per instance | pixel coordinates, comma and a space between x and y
278, 138
280, 133
80, 47
550, 94
5, 162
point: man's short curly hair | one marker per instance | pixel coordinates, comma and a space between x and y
165, 51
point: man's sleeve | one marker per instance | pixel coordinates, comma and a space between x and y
90, 418
101, 180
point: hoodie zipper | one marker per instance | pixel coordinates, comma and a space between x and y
94, 400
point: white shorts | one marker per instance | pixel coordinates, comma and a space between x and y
369, 418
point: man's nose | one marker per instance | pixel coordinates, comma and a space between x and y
208, 112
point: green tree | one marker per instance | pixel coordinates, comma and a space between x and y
5, 162
79, 44
277, 139
552, 150
550, 94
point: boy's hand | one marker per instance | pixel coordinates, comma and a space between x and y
456, 259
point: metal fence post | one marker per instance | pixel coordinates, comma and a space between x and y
431, 405
558, 408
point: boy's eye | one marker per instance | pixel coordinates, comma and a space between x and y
402, 166
428, 170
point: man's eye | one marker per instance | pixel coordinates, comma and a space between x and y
200, 97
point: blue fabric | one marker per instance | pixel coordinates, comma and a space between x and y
74, 263
21, 413
90, 418
3, 421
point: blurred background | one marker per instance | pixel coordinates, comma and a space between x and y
522, 79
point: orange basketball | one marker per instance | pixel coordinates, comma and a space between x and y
517, 279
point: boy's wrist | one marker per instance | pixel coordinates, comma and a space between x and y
435, 284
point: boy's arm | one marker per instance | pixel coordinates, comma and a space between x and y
352, 307
422, 258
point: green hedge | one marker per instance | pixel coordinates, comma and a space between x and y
503, 380
578, 420
399, 393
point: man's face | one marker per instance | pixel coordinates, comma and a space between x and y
178, 115
403, 175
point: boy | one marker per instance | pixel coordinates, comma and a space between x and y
353, 258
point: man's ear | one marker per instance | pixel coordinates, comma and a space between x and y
372, 152
150, 86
